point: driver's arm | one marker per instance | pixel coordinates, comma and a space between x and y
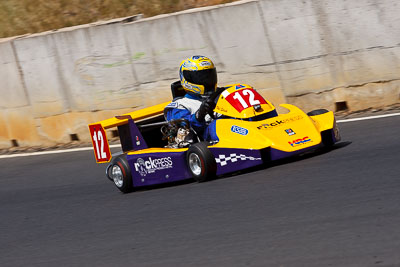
174, 114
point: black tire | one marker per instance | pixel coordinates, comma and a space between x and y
108, 172
327, 139
201, 162
317, 112
122, 177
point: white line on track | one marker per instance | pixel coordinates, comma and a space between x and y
370, 118
111, 146
50, 152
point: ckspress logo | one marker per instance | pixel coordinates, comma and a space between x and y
144, 167
279, 122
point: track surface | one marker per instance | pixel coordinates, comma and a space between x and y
340, 208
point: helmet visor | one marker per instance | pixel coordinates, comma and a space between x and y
208, 78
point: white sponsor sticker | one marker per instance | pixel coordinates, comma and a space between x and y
172, 105
225, 93
144, 167
205, 63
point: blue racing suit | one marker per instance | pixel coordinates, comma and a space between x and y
186, 107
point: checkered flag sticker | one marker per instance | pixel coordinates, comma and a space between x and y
223, 159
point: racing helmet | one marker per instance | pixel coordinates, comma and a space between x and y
198, 75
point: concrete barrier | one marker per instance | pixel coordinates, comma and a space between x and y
313, 53
334, 51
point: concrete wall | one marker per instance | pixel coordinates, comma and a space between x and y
331, 51
312, 53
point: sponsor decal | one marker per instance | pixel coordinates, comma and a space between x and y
239, 130
144, 167
300, 141
172, 105
225, 159
190, 65
137, 141
244, 98
205, 63
188, 85
140, 167
290, 131
279, 122
221, 109
192, 87
239, 86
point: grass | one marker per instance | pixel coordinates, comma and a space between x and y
19, 17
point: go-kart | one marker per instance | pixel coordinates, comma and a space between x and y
249, 129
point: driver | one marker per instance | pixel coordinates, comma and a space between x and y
198, 77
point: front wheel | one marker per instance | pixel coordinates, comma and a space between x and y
201, 162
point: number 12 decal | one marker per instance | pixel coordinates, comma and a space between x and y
251, 99
243, 99
99, 138
100, 143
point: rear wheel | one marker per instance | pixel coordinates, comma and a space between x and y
120, 173
201, 162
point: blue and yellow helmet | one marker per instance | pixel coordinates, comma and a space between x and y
198, 75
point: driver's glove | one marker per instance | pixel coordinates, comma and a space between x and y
206, 108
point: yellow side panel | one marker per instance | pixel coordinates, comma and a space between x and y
270, 132
230, 139
324, 121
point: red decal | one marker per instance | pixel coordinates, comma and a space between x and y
245, 98
100, 143
300, 141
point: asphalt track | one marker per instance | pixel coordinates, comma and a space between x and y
340, 208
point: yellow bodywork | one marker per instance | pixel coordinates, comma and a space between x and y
135, 115
157, 150
271, 132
